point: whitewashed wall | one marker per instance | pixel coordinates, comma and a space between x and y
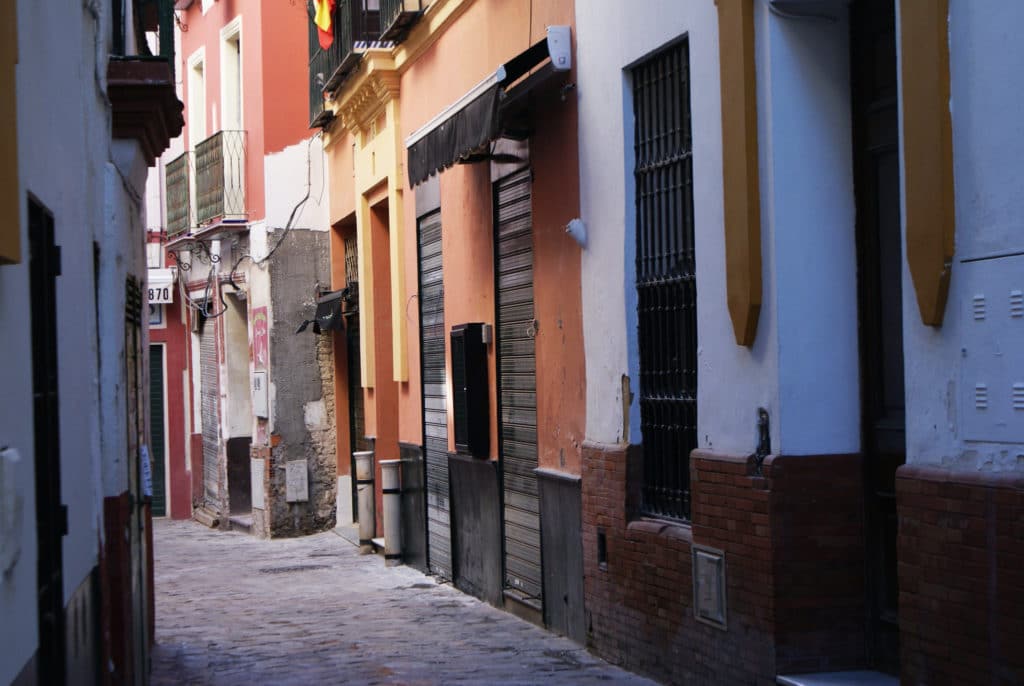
944, 365
95, 190
803, 366
611, 36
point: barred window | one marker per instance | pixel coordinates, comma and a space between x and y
665, 278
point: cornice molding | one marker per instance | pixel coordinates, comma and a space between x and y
376, 84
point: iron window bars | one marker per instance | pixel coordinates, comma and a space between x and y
665, 279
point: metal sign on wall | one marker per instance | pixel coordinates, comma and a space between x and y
161, 286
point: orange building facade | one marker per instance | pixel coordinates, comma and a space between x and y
453, 167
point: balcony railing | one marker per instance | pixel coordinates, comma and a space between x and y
397, 17
178, 183
220, 177
353, 21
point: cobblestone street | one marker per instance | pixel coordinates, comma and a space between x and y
232, 609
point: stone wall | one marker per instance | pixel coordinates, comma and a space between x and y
301, 368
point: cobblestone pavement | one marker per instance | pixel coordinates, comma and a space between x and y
232, 609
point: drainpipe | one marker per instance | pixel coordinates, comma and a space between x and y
390, 477
364, 495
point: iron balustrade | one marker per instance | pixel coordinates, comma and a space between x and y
397, 17
178, 191
220, 177
665, 279
352, 21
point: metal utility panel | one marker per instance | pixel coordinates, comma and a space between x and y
992, 383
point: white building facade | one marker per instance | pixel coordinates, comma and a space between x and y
832, 180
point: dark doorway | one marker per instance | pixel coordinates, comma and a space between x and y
51, 516
356, 410
157, 428
877, 188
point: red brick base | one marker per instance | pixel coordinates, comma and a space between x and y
794, 559
961, 575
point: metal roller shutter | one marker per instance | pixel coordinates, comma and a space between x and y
518, 384
435, 408
209, 392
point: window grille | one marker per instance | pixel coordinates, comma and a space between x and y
665, 279
351, 260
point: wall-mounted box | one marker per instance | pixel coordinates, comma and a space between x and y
992, 346
470, 390
260, 395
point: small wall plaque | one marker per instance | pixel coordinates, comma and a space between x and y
257, 466
709, 605
296, 481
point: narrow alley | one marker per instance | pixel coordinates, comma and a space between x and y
234, 609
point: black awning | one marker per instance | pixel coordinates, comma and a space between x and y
328, 311
475, 125
481, 120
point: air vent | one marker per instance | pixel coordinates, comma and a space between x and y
979, 307
1018, 396
1017, 304
981, 396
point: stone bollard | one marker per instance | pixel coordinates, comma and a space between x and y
364, 494
390, 478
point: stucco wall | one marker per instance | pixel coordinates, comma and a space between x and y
808, 215
94, 190
988, 144
803, 365
611, 36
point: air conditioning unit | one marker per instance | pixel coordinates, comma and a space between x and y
470, 391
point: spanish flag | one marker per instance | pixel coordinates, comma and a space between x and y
322, 19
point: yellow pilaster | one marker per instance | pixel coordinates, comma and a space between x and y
10, 201
396, 217
364, 244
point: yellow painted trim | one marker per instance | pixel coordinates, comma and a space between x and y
927, 152
10, 200
379, 158
396, 221
740, 182
364, 244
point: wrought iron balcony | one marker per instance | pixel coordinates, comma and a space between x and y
220, 178
354, 22
178, 192
397, 17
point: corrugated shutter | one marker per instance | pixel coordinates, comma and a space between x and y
518, 384
435, 408
157, 430
210, 392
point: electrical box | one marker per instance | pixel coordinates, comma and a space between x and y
992, 373
560, 47
260, 396
470, 390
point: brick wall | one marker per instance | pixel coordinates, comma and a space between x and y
793, 543
818, 553
961, 575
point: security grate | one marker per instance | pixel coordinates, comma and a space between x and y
351, 260
665, 279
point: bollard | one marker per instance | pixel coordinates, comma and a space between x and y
364, 494
391, 488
